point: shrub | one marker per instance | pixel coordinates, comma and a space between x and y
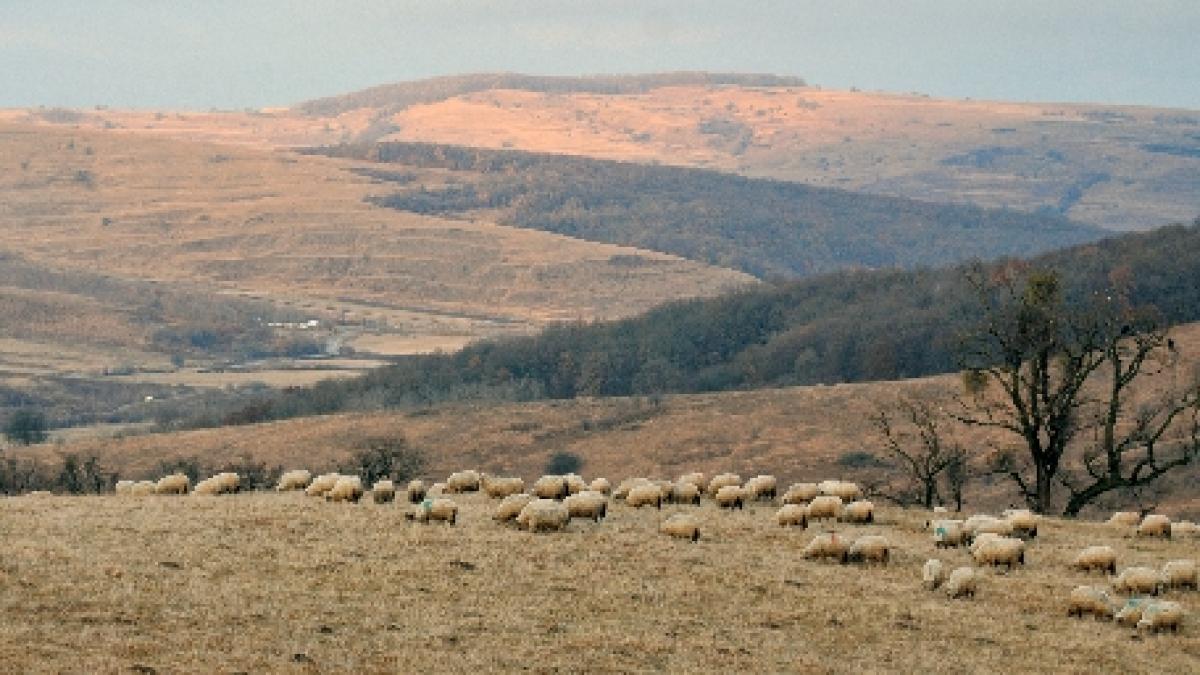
380, 458
563, 463
26, 427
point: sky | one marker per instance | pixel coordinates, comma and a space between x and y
200, 54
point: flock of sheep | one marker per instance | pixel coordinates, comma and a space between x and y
551, 502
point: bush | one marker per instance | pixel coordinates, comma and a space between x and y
380, 458
858, 459
564, 463
26, 427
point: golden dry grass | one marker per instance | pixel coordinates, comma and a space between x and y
284, 583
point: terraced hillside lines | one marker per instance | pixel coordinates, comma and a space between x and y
283, 583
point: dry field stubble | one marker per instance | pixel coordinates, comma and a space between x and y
269, 582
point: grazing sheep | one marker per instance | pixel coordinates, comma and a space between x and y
551, 487
695, 478
1180, 574
587, 504
827, 545
575, 483
415, 492
722, 480
346, 489
626, 485
1092, 600
801, 493
977, 525
1125, 519
872, 548
858, 512
685, 493
1155, 525
439, 508
1131, 611
510, 507
144, 488
731, 497
962, 583
174, 484
544, 515
124, 487
1139, 580
948, 533
1184, 528
296, 479
1023, 523
940, 509
1161, 615
933, 574
667, 488
601, 485
383, 492
835, 488
681, 525
644, 494
1000, 551
762, 488
791, 515
321, 484
981, 540
1102, 558
825, 506
499, 488
228, 482
462, 481
436, 490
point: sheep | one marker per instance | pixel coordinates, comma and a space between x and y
1023, 522
1125, 519
575, 483
296, 479
982, 539
761, 488
383, 492
321, 484
644, 494
436, 490
1180, 574
1139, 580
722, 480
731, 497
510, 507
625, 486
977, 525
933, 574
940, 509
825, 506
682, 526
685, 493
1160, 615
229, 481
551, 487
600, 485
439, 508
1184, 528
544, 515
790, 515
346, 489
1102, 558
1000, 551
828, 545
858, 512
962, 583
801, 493
123, 487
695, 478
174, 484
836, 488
499, 488
1092, 600
948, 533
462, 481
1155, 525
587, 504
145, 488
666, 488
872, 548
415, 492
1131, 611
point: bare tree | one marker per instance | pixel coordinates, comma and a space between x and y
923, 451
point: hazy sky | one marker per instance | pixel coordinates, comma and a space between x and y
242, 53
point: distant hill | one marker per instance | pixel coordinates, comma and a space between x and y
762, 227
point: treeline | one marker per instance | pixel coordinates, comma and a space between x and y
762, 227
843, 327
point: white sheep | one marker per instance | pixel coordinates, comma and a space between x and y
871, 548
600, 485
792, 515
1155, 525
1125, 519
1184, 528
685, 493
682, 526
383, 492
623, 488
544, 515
436, 490
415, 491
731, 497
575, 483
510, 507
948, 533
551, 487
1161, 615
977, 525
644, 494
499, 488
1131, 611
462, 481
962, 583
695, 478
1102, 558
321, 484
825, 506
1180, 574
346, 489
123, 487
762, 488
933, 574
827, 545
438, 508
836, 488
1023, 523
1092, 600
1000, 550
145, 488
801, 493
666, 488
722, 480
587, 504
858, 512
296, 479
1139, 580
174, 484
229, 481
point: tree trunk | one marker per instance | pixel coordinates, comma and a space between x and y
1042, 498
930, 487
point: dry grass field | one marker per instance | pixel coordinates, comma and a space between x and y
284, 583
